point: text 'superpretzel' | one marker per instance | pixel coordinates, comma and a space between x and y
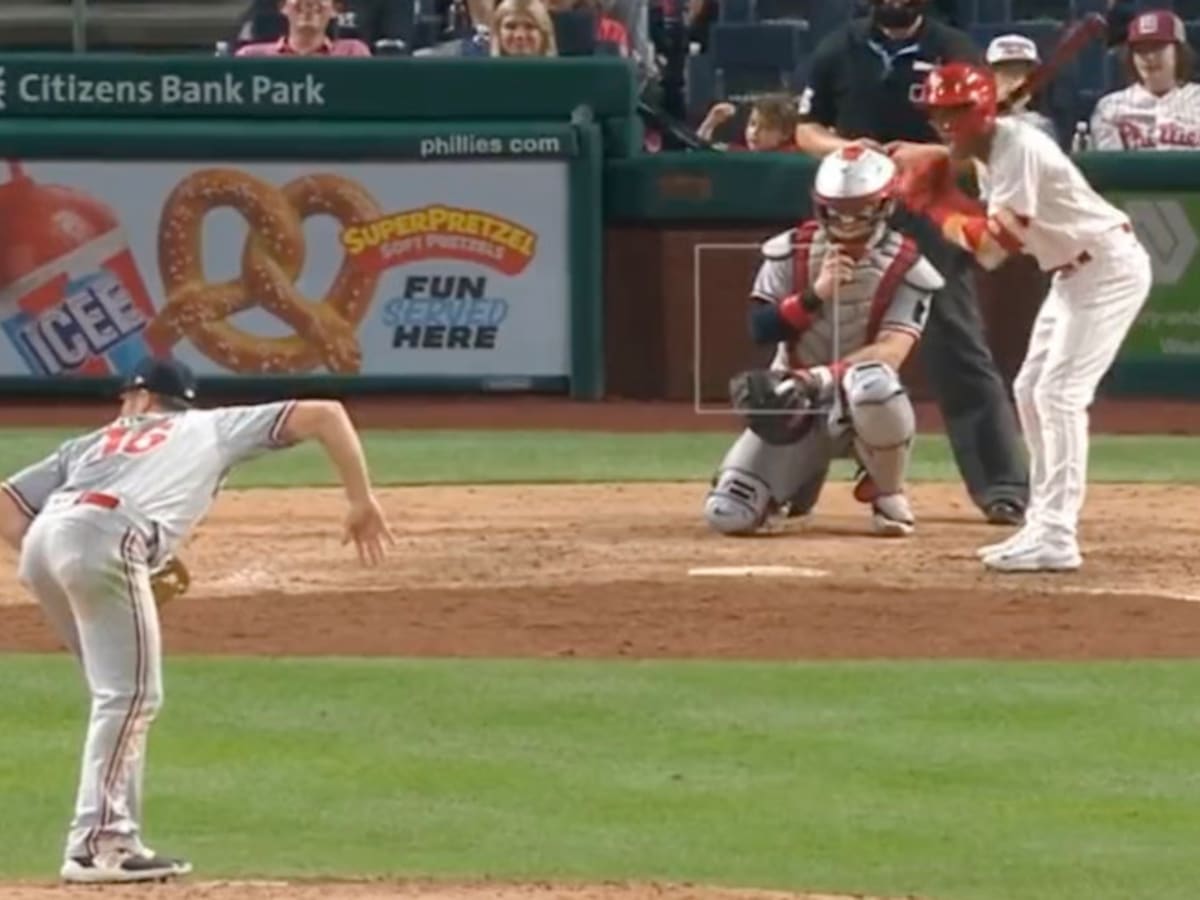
271, 262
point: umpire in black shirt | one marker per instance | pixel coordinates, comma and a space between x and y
865, 79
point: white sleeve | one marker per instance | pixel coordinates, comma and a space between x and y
32, 486
1105, 135
246, 431
774, 280
1014, 181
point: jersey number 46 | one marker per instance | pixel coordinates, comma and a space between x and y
134, 441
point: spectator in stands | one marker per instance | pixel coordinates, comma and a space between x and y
1161, 109
771, 126
523, 28
608, 29
866, 77
1012, 57
366, 20
308, 22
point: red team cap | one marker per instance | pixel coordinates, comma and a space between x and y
967, 87
1159, 26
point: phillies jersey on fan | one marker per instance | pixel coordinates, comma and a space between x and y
1135, 119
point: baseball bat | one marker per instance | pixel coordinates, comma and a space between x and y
1091, 27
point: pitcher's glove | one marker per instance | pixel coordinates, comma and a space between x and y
169, 581
780, 407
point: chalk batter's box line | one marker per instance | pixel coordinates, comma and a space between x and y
698, 406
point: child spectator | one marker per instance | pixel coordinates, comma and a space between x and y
770, 128
306, 35
523, 28
1161, 109
1011, 58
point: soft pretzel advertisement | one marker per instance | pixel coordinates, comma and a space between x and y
395, 269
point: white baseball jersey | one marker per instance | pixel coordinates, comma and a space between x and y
1052, 209
892, 289
1135, 119
164, 468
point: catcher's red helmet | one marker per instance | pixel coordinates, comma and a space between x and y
967, 88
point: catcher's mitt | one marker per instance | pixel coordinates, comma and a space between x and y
779, 406
169, 581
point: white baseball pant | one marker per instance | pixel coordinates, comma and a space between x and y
1075, 339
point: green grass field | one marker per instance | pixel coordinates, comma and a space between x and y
474, 457
953, 781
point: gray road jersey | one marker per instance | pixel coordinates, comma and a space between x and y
892, 289
164, 468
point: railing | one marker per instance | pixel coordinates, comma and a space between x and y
79, 14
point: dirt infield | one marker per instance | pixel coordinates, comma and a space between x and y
603, 571
415, 891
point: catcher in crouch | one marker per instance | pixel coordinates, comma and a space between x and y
845, 297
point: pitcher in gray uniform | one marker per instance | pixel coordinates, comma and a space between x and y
846, 298
94, 519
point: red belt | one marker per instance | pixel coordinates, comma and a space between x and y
1069, 269
107, 501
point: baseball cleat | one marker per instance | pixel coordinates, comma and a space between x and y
891, 516
1004, 512
123, 867
1038, 557
1005, 545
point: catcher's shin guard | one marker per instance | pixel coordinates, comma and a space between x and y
753, 476
883, 421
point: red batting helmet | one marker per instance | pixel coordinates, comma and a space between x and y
962, 86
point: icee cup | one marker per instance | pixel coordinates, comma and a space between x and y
72, 301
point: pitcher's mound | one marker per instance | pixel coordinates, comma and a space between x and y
379, 890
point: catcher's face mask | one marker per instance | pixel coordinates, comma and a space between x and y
852, 220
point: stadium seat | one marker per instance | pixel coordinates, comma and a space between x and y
753, 59
1193, 34
823, 17
1041, 9
700, 80
988, 12
737, 11
574, 32
746, 81
756, 58
153, 23
778, 45
782, 10
1114, 72
1091, 66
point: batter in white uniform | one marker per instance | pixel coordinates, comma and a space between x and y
94, 519
1038, 203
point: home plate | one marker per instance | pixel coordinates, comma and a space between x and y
758, 571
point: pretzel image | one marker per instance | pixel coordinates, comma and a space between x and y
325, 331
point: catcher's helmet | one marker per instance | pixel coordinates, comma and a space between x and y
966, 91
853, 192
